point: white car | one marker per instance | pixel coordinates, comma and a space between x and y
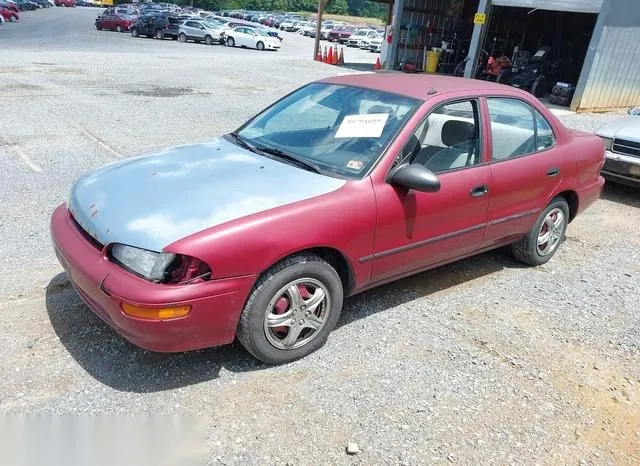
307, 29
366, 42
287, 25
298, 26
253, 38
622, 143
376, 45
361, 34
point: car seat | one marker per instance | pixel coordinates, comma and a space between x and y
461, 148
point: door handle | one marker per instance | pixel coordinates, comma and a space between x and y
553, 171
479, 191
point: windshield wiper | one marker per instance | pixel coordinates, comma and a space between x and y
292, 158
236, 137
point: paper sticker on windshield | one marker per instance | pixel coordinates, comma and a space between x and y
362, 126
355, 165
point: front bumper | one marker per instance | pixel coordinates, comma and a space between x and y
215, 305
623, 169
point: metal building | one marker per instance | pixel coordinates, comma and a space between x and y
606, 51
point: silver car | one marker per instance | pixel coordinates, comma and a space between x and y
205, 31
622, 143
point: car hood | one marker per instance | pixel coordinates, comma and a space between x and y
153, 200
624, 128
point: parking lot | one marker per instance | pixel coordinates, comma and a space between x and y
479, 362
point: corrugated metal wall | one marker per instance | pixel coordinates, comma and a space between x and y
611, 73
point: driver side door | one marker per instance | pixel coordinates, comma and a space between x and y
418, 230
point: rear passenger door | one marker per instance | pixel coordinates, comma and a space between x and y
526, 167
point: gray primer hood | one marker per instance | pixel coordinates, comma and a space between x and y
153, 200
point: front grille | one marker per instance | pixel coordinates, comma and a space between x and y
623, 146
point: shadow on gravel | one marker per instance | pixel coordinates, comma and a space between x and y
448, 278
622, 194
112, 360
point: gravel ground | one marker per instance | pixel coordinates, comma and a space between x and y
479, 362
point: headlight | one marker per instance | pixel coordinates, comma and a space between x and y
607, 142
148, 264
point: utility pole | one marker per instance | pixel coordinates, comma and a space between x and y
474, 48
322, 4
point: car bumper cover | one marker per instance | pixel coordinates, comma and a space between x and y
215, 305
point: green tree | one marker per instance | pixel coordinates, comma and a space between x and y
338, 7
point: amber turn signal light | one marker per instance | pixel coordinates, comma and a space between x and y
162, 313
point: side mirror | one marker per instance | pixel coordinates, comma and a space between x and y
415, 176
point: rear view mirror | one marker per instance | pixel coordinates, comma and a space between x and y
415, 176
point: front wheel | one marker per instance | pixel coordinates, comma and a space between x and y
13, 18
542, 242
99, 26
182, 37
159, 34
118, 28
230, 42
260, 45
291, 310
208, 40
134, 32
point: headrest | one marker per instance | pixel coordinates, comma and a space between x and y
456, 131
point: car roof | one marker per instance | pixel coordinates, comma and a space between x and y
418, 85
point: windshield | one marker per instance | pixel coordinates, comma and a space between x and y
340, 129
212, 25
261, 32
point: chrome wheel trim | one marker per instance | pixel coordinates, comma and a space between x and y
550, 232
303, 317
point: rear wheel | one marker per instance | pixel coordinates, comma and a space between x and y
208, 40
134, 32
542, 242
182, 37
159, 34
230, 42
118, 28
13, 18
260, 45
291, 310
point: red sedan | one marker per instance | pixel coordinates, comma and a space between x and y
67, 3
343, 185
114, 21
9, 12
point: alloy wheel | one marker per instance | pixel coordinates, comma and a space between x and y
550, 232
297, 313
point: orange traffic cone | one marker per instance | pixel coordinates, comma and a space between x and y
330, 56
335, 54
324, 55
378, 65
341, 57
319, 56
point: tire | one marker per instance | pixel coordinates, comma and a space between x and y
159, 34
134, 32
99, 26
529, 249
271, 296
118, 28
539, 87
13, 18
230, 42
260, 45
182, 37
208, 40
